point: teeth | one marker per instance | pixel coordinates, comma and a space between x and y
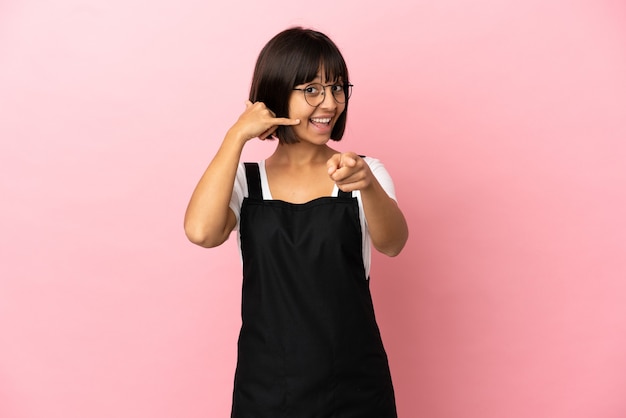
321, 120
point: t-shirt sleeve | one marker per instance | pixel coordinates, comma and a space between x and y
382, 175
240, 190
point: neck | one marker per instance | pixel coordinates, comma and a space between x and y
301, 153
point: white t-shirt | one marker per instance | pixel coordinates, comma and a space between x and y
240, 191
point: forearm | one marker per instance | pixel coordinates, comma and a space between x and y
386, 223
208, 219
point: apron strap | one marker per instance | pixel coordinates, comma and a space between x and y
344, 195
253, 176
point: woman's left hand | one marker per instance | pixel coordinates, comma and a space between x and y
386, 224
349, 171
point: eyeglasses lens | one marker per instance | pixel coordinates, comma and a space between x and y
314, 93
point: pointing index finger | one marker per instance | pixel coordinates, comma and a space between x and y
333, 163
347, 160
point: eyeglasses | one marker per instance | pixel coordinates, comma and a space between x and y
315, 93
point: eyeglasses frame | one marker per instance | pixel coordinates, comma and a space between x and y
347, 86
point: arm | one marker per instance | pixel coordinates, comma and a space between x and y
208, 219
386, 223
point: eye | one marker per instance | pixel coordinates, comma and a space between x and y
312, 90
337, 88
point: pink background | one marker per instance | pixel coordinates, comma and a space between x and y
502, 122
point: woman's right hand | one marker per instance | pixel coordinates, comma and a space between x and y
258, 121
209, 219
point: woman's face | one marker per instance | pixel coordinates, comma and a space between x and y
316, 122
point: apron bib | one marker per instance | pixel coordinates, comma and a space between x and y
309, 345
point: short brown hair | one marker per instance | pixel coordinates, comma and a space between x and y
291, 58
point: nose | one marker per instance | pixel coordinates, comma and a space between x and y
328, 100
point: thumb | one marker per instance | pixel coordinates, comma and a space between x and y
347, 160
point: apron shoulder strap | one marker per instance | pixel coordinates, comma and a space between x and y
344, 195
253, 176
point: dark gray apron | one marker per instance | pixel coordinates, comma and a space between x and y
309, 345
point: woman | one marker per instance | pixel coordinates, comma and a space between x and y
309, 344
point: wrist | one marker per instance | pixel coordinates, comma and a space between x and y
235, 136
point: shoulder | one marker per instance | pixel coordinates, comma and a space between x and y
372, 161
382, 175
377, 166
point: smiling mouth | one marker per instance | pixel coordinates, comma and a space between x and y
324, 121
